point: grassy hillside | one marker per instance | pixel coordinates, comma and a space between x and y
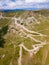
12, 35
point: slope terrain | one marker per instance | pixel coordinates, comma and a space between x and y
24, 38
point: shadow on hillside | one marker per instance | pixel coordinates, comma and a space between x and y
3, 31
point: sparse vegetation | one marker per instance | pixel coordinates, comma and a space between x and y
33, 27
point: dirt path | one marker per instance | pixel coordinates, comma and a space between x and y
35, 49
20, 56
23, 27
